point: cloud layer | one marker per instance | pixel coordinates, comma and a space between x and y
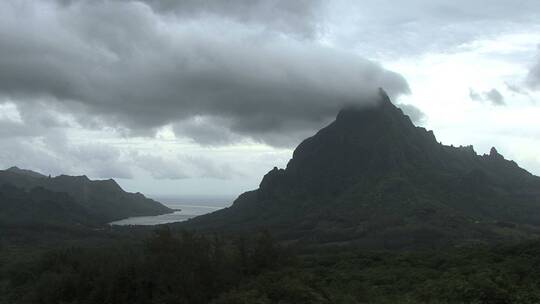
300, 18
90, 86
129, 66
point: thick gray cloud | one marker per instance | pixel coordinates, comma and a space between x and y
301, 18
127, 65
492, 96
52, 153
208, 131
215, 131
37, 138
30, 121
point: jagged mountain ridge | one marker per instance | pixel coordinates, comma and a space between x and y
82, 200
372, 177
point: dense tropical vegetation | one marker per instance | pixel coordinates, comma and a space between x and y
183, 267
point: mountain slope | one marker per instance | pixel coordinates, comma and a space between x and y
39, 206
80, 199
371, 177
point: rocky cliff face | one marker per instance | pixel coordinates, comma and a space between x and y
371, 177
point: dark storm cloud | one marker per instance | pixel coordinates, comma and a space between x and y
297, 17
131, 67
208, 131
31, 121
13, 129
215, 131
300, 18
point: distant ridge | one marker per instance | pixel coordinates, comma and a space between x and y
30, 173
30, 197
374, 179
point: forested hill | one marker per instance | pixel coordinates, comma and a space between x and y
373, 178
28, 197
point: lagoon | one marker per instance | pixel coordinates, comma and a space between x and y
186, 211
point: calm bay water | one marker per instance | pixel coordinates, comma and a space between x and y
187, 210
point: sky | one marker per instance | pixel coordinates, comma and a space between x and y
204, 97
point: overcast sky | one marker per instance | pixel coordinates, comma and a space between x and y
204, 97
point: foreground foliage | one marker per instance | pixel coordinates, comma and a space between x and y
474, 275
189, 268
183, 268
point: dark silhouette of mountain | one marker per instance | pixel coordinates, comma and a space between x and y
40, 206
24, 172
30, 197
373, 178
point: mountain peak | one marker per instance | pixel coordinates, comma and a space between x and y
25, 172
363, 142
382, 104
494, 153
372, 175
